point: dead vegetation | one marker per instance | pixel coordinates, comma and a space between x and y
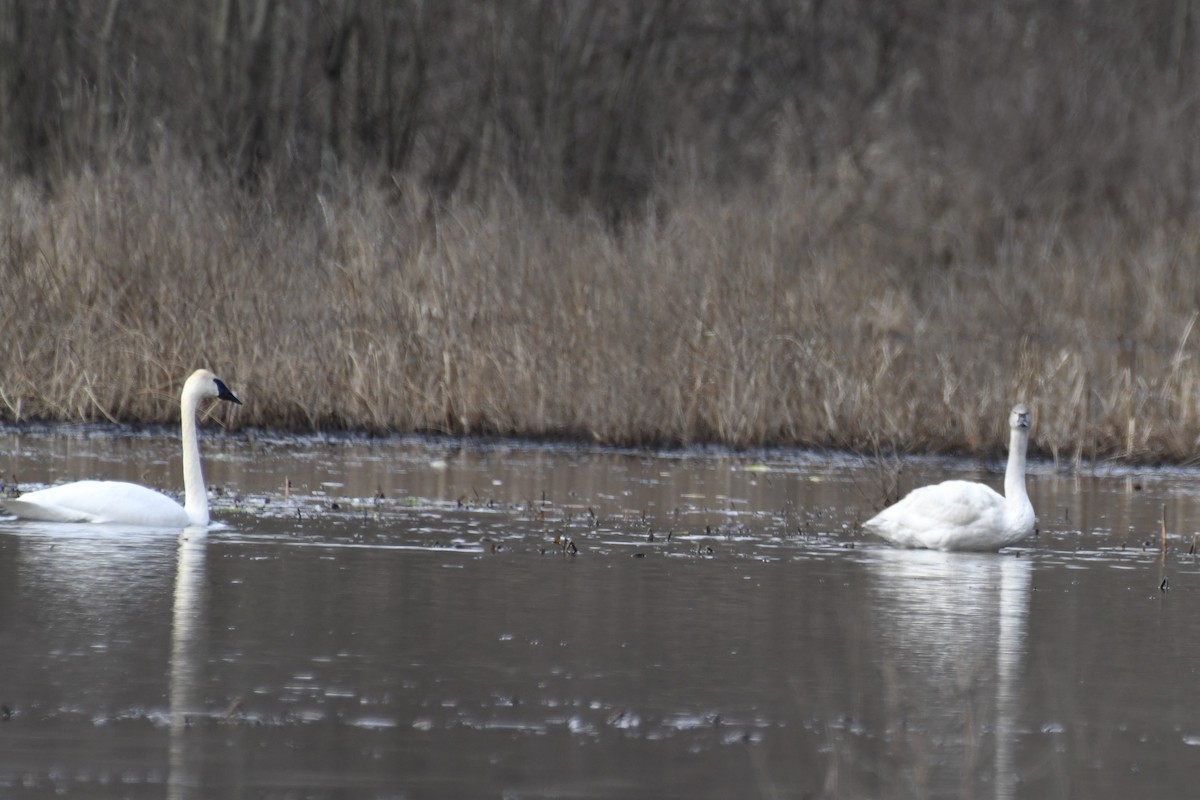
636, 223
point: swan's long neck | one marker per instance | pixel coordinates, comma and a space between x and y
1014, 476
195, 495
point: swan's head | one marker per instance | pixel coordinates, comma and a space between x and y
1020, 417
203, 383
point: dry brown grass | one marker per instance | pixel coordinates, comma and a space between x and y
756, 318
870, 225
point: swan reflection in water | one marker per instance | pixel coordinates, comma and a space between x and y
95, 588
187, 658
952, 629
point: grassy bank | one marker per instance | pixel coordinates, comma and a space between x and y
768, 316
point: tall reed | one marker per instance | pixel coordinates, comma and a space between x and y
748, 319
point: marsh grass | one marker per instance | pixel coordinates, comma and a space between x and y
757, 317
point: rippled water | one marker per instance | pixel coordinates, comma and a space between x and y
422, 618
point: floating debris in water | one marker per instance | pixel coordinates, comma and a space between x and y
624, 720
564, 544
234, 711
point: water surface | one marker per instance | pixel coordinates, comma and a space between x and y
425, 618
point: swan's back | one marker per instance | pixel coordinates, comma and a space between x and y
99, 501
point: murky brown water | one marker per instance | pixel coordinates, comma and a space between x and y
402, 624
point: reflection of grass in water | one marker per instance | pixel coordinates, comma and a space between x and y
745, 320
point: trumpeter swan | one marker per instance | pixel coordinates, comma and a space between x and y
129, 503
961, 515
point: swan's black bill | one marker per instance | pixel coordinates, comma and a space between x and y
223, 392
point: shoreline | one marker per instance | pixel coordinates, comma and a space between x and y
990, 462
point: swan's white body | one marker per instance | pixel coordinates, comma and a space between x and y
961, 515
128, 503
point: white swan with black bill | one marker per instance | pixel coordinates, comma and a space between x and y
128, 503
962, 515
